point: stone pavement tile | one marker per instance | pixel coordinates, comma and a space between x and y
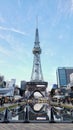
36, 126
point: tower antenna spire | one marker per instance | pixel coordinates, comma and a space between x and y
37, 70
37, 21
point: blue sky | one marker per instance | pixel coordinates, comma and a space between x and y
17, 35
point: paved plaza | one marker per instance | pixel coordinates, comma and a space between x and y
36, 126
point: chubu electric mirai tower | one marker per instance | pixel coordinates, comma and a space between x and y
36, 70
36, 84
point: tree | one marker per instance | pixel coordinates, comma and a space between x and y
52, 93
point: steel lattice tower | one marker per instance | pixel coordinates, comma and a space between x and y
37, 75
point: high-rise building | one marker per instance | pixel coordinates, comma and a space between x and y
63, 76
71, 77
23, 85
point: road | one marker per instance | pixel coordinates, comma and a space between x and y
36, 126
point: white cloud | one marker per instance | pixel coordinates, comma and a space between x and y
17, 47
13, 30
18, 31
18, 50
64, 9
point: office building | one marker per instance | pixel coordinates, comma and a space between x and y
63, 76
71, 77
23, 85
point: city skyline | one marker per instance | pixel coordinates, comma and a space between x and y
17, 36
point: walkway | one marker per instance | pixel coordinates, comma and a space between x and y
36, 126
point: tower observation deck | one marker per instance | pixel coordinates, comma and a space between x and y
36, 75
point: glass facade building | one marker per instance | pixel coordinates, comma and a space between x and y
63, 76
